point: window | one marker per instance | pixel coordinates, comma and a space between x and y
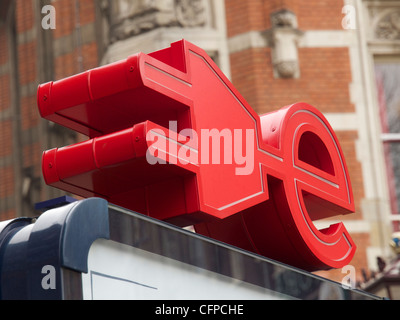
387, 76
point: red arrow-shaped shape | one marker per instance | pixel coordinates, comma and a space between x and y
172, 138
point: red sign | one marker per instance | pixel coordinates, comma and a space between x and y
170, 137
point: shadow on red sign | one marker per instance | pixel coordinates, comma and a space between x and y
170, 137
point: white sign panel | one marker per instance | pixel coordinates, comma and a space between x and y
122, 272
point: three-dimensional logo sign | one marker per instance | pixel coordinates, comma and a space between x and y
170, 137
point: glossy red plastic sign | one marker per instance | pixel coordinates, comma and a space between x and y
172, 138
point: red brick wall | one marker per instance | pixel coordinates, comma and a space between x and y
4, 47
320, 14
24, 15
347, 140
311, 15
28, 75
6, 171
4, 90
28, 28
244, 16
29, 116
324, 79
7, 181
27, 62
5, 139
66, 14
66, 18
67, 64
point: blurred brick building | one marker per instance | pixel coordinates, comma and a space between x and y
343, 57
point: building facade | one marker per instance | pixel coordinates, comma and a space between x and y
341, 56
